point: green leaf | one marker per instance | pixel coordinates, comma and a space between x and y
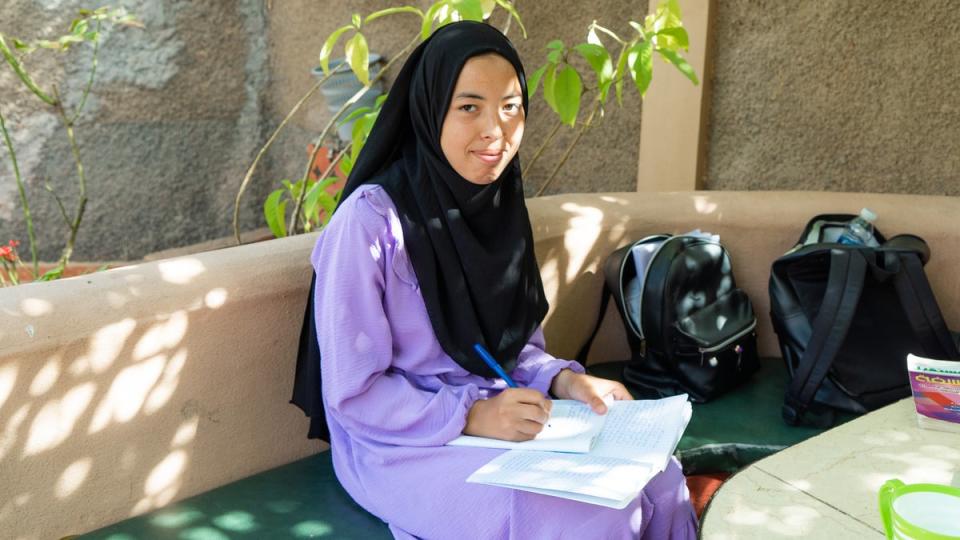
641, 65
487, 6
673, 39
667, 15
79, 26
554, 57
358, 56
53, 273
598, 58
507, 5
358, 133
274, 211
359, 111
312, 201
567, 92
681, 64
556, 45
427, 26
549, 80
346, 164
355, 19
329, 45
327, 202
534, 80
391, 11
620, 74
469, 10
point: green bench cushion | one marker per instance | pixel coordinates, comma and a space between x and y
300, 500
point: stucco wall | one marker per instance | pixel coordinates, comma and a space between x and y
836, 95
823, 94
174, 116
604, 160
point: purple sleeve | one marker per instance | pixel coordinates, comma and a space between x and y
368, 398
536, 368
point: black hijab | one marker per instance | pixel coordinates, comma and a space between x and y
471, 245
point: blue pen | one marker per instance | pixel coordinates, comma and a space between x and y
494, 365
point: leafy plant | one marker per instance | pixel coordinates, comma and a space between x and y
564, 91
662, 32
83, 30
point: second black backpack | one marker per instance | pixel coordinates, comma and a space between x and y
690, 329
846, 318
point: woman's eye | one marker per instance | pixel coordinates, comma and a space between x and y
468, 108
511, 107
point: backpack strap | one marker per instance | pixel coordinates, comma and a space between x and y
844, 285
922, 310
604, 302
612, 268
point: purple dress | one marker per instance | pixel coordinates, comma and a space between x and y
393, 398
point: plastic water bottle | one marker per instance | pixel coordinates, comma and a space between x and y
859, 231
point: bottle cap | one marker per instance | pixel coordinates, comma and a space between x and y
868, 215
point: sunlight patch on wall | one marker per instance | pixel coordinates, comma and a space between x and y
35, 307
550, 275
180, 271
586, 225
45, 378
55, 421
73, 477
162, 336
186, 432
166, 473
8, 376
9, 436
127, 393
704, 205
216, 298
162, 483
105, 346
163, 390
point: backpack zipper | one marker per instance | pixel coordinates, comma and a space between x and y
726, 343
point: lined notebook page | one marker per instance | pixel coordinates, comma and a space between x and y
572, 427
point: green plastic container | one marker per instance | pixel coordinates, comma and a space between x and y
920, 511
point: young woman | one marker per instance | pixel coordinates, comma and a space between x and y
429, 253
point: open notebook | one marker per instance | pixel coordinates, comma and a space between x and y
634, 443
572, 427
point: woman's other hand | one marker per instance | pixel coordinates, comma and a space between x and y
516, 414
590, 390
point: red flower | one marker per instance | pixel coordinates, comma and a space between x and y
9, 251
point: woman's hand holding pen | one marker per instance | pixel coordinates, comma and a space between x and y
590, 390
516, 414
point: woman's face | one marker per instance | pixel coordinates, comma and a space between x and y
484, 124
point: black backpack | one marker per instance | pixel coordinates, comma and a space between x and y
690, 329
846, 317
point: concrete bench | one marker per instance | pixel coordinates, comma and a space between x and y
124, 392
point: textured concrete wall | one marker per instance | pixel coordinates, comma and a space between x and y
175, 114
604, 160
836, 95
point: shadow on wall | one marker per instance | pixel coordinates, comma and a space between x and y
139, 376
572, 255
